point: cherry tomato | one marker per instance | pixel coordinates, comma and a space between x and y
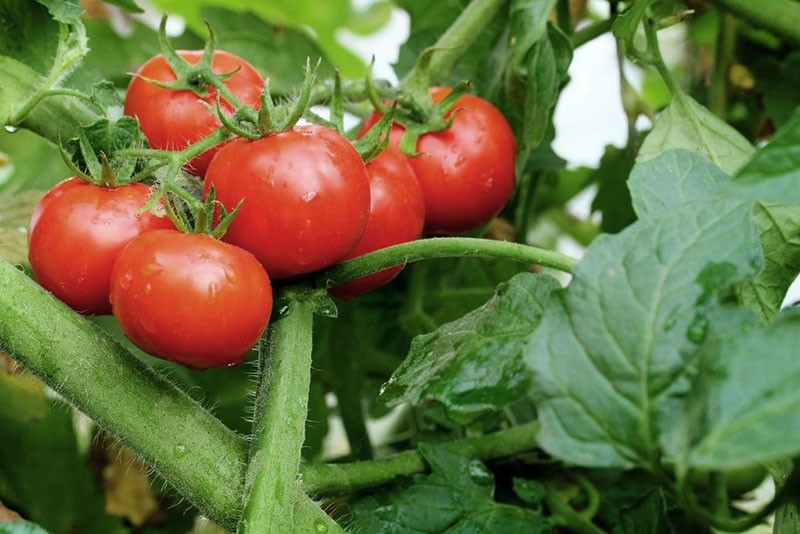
467, 171
173, 120
190, 298
306, 198
396, 215
76, 232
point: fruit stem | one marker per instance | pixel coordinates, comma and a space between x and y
441, 247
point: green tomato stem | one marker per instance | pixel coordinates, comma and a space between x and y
334, 478
441, 247
309, 518
567, 516
781, 17
458, 38
281, 408
591, 32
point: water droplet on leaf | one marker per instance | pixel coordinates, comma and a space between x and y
10, 129
698, 329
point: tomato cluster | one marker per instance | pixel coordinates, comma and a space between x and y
306, 201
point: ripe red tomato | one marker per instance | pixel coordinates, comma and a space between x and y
173, 120
396, 215
76, 232
466, 171
306, 198
190, 298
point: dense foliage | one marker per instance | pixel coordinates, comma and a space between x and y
647, 387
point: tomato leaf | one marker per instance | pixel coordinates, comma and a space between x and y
614, 346
773, 173
613, 198
745, 398
679, 176
689, 125
473, 365
67, 11
457, 497
127, 5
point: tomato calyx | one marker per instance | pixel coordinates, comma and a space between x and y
193, 216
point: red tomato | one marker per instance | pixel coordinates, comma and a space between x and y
173, 120
76, 232
306, 198
396, 215
190, 298
466, 171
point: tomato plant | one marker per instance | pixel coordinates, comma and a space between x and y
611, 348
466, 171
174, 119
396, 215
190, 298
305, 193
75, 234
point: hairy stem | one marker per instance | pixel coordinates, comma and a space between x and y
441, 247
781, 17
279, 428
464, 31
333, 478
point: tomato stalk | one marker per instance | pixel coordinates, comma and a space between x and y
271, 482
779, 16
332, 478
441, 247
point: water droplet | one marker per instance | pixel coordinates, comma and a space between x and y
213, 289
152, 268
234, 364
22, 229
327, 309
698, 329
180, 451
480, 474
231, 275
320, 526
148, 288
10, 129
309, 196
125, 280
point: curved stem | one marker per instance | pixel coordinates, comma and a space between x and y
464, 31
442, 247
781, 17
333, 478
567, 515
591, 32
279, 426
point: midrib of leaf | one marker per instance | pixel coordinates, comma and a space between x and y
696, 126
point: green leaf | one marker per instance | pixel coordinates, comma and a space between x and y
613, 198
677, 177
128, 5
20, 527
750, 409
689, 125
773, 173
33, 163
31, 36
66, 11
455, 498
614, 346
473, 366
15, 212
627, 24
42, 470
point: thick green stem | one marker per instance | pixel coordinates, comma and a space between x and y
564, 17
464, 31
591, 32
310, 518
189, 447
281, 408
726, 42
567, 516
333, 478
442, 247
781, 17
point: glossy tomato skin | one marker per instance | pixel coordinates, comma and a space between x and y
396, 215
75, 234
173, 120
306, 198
466, 171
190, 298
